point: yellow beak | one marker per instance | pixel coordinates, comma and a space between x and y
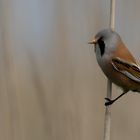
94, 41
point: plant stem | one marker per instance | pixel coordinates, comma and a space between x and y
107, 121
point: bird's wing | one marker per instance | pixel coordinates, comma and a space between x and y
131, 70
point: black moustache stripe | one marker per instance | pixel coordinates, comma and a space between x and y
102, 46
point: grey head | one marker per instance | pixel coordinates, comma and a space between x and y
105, 42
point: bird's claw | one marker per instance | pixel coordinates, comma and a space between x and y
109, 102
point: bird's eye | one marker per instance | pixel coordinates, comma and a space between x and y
101, 45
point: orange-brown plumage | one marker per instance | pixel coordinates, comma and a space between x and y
116, 61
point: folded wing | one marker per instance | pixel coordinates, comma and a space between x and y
131, 70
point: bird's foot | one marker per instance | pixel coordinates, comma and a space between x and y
108, 102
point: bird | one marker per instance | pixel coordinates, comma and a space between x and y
116, 62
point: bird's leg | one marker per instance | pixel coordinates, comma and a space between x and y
109, 101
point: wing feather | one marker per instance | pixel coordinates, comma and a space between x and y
130, 70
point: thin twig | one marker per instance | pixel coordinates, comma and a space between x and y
112, 14
107, 121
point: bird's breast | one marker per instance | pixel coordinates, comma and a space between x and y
116, 77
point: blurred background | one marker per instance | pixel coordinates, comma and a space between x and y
51, 87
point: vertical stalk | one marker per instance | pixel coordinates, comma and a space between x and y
107, 121
112, 14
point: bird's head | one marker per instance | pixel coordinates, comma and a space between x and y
105, 41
